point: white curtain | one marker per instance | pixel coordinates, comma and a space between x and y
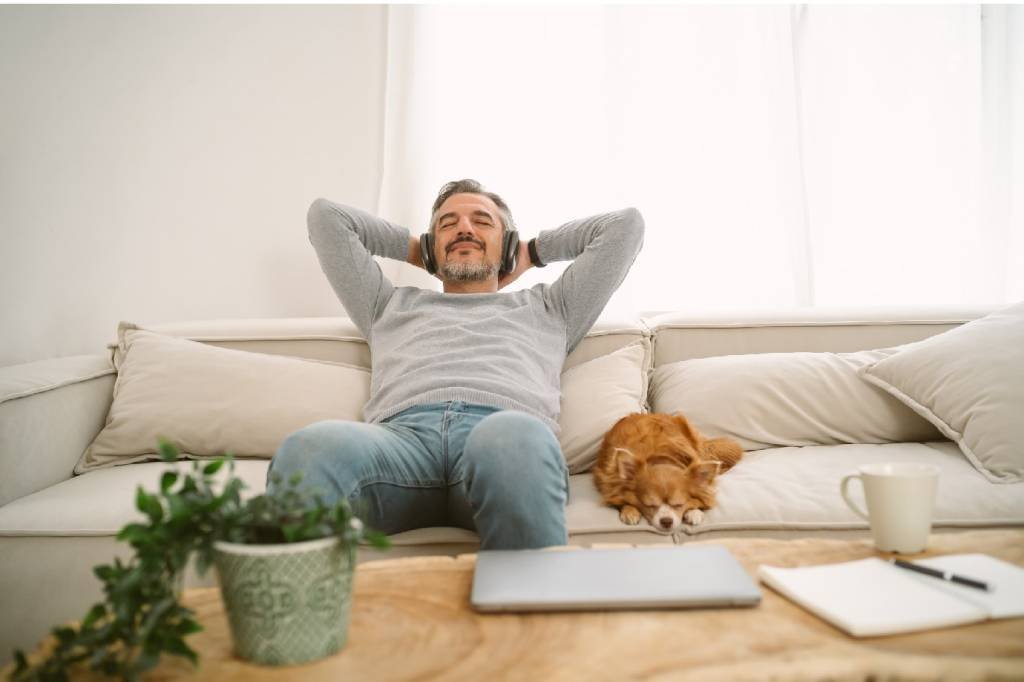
782, 156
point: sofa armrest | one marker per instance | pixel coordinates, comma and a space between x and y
50, 411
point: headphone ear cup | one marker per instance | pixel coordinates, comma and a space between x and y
509, 250
427, 252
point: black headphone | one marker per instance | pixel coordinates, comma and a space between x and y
509, 250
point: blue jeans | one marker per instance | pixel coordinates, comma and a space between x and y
497, 472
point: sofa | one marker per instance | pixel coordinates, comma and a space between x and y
754, 376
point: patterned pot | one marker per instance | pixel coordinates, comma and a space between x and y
286, 603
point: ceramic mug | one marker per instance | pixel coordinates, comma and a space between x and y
900, 497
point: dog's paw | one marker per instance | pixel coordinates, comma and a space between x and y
694, 517
630, 515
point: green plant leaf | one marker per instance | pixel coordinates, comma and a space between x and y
149, 505
187, 626
177, 506
95, 613
129, 582
167, 479
168, 450
213, 467
131, 533
63, 634
176, 645
378, 540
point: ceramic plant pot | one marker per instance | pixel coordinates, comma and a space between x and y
286, 603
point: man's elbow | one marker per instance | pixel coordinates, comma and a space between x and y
633, 221
325, 217
633, 216
315, 216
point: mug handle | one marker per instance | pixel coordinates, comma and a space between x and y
843, 491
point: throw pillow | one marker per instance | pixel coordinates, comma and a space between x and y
786, 399
211, 400
595, 395
969, 382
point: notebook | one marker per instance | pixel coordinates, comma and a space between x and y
580, 579
871, 597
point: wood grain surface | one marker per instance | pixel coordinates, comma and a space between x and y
411, 619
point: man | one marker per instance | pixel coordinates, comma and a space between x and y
461, 426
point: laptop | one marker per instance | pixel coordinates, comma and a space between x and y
602, 579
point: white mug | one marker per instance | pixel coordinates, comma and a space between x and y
900, 499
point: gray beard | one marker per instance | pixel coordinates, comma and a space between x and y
468, 272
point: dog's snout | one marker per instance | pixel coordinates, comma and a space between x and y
666, 523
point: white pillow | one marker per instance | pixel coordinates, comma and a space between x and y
211, 400
595, 395
786, 399
969, 382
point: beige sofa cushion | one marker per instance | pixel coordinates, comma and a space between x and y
779, 488
212, 400
969, 382
786, 399
595, 395
797, 489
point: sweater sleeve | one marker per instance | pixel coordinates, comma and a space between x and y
346, 239
604, 247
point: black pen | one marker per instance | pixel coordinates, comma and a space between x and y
942, 575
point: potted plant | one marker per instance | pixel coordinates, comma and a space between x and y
284, 561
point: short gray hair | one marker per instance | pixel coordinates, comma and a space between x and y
470, 186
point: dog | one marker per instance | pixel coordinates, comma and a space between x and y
658, 467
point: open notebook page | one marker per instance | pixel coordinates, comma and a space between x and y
871, 597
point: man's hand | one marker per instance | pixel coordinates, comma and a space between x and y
522, 265
415, 256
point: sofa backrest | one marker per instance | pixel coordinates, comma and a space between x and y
672, 336
337, 339
677, 336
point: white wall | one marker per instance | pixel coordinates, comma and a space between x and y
156, 162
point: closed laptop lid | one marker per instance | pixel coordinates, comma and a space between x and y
581, 579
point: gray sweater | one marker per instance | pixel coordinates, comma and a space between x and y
504, 349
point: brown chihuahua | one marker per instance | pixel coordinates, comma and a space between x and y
659, 467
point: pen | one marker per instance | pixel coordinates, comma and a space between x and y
942, 575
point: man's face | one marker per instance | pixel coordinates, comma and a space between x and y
467, 238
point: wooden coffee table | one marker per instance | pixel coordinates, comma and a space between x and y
411, 619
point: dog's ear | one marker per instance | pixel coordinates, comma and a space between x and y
687, 430
626, 462
705, 472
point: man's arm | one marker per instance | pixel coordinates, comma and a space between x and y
346, 239
604, 247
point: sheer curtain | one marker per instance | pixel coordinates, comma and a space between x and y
782, 156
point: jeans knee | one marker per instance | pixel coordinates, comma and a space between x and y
300, 448
513, 442
313, 451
